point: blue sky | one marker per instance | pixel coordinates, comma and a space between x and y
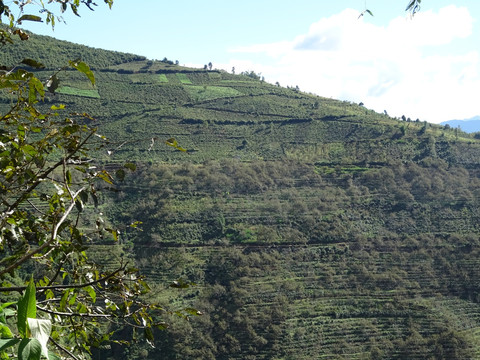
427, 67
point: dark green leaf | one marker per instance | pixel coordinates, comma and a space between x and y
52, 84
114, 233
29, 18
109, 2
5, 305
84, 196
29, 349
130, 166
181, 284
33, 63
162, 326
120, 174
91, 292
5, 312
72, 300
53, 356
5, 332
6, 343
84, 68
105, 177
26, 308
95, 199
59, 107
29, 150
172, 142
68, 176
79, 205
192, 311
74, 9
136, 224
35, 86
144, 284
81, 308
63, 300
21, 130
149, 336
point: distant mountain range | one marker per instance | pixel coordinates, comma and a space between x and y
468, 125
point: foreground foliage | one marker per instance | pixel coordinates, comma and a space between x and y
49, 217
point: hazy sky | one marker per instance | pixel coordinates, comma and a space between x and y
425, 67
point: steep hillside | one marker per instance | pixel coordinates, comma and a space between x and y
314, 228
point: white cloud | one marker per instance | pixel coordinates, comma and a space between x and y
401, 67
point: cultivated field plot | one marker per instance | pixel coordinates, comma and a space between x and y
68, 90
202, 93
184, 79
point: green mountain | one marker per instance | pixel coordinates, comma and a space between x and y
313, 228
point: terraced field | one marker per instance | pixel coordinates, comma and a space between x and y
322, 302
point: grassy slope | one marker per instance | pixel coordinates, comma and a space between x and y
315, 228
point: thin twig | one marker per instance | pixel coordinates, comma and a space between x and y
64, 217
59, 287
72, 314
66, 351
42, 176
33, 205
45, 244
59, 268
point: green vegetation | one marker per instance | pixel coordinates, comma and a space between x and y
184, 79
313, 228
49, 194
162, 78
202, 93
67, 90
